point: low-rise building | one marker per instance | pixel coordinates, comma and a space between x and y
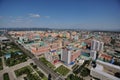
105, 71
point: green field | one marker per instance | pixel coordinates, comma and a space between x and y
73, 77
24, 70
11, 49
31, 74
43, 77
15, 59
62, 70
33, 77
47, 63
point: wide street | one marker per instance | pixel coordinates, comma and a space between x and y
46, 69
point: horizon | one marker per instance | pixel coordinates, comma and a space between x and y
44, 29
61, 14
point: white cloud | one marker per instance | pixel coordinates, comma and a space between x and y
10, 16
34, 15
47, 16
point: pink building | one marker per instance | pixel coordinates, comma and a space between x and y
38, 50
75, 55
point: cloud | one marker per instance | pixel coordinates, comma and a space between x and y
47, 16
1, 17
34, 15
17, 19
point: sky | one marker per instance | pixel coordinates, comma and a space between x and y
69, 14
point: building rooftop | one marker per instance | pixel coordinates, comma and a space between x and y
100, 73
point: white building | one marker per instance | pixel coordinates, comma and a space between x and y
4, 39
101, 46
93, 54
105, 71
65, 56
97, 45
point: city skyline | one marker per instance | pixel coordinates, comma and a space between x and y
77, 14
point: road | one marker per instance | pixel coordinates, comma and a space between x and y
46, 69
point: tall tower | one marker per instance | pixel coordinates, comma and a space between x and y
97, 45
66, 56
101, 46
93, 44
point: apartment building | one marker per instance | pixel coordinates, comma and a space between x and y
69, 55
97, 45
52, 56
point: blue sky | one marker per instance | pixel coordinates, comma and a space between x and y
76, 14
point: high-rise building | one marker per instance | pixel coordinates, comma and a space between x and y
93, 44
101, 46
69, 55
97, 45
65, 56
93, 54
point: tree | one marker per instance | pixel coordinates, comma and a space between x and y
112, 41
49, 77
34, 66
85, 72
40, 74
117, 74
31, 64
73, 77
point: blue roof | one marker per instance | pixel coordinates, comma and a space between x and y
71, 63
112, 61
19, 53
53, 51
8, 55
83, 44
85, 54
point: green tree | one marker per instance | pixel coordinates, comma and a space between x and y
85, 72
73, 77
112, 41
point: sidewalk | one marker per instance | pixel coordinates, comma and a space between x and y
10, 70
3, 61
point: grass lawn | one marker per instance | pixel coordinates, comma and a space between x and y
30, 73
62, 70
24, 70
33, 77
1, 64
6, 76
41, 75
2, 52
44, 78
73, 77
15, 59
12, 50
47, 63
